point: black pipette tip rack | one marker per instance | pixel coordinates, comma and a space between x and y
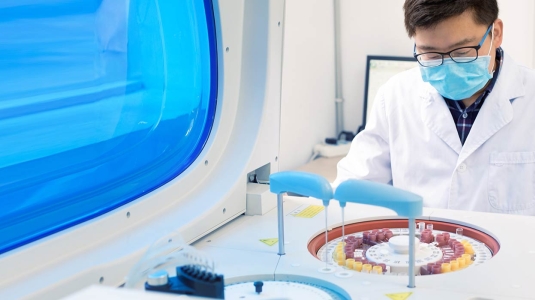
193, 280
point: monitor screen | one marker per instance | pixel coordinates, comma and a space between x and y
378, 70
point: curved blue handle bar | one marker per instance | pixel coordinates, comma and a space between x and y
305, 184
402, 202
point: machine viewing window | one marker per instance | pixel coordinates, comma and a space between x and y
379, 69
101, 101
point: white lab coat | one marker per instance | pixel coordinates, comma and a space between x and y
412, 142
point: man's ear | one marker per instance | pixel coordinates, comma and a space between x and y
498, 32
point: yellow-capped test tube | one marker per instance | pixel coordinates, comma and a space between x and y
445, 267
357, 266
341, 258
366, 268
350, 262
467, 259
461, 262
377, 270
454, 265
468, 249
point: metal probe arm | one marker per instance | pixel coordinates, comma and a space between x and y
301, 183
404, 203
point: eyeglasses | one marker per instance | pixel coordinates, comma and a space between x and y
459, 55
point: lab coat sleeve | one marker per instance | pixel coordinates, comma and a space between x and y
369, 156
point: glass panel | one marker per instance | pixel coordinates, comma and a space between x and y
101, 101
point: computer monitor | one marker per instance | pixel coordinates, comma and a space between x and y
379, 69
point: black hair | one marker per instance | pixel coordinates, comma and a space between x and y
429, 13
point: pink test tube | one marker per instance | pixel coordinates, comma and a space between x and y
350, 254
446, 236
426, 237
423, 270
380, 236
373, 237
426, 233
447, 251
437, 269
383, 266
440, 240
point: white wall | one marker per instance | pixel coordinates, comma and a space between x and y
368, 28
307, 97
519, 30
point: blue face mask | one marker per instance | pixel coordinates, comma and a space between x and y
459, 81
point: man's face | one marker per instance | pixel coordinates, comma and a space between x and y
456, 32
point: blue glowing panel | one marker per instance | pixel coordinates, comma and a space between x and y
101, 101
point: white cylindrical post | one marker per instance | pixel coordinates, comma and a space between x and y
280, 213
412, 254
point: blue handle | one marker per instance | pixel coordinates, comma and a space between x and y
404, 203
305, 184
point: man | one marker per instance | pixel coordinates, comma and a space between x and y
458, 130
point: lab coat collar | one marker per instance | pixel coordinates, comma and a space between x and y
495, 113
437, 117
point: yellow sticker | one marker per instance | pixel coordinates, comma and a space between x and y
269, 242
310, 212
399, 296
